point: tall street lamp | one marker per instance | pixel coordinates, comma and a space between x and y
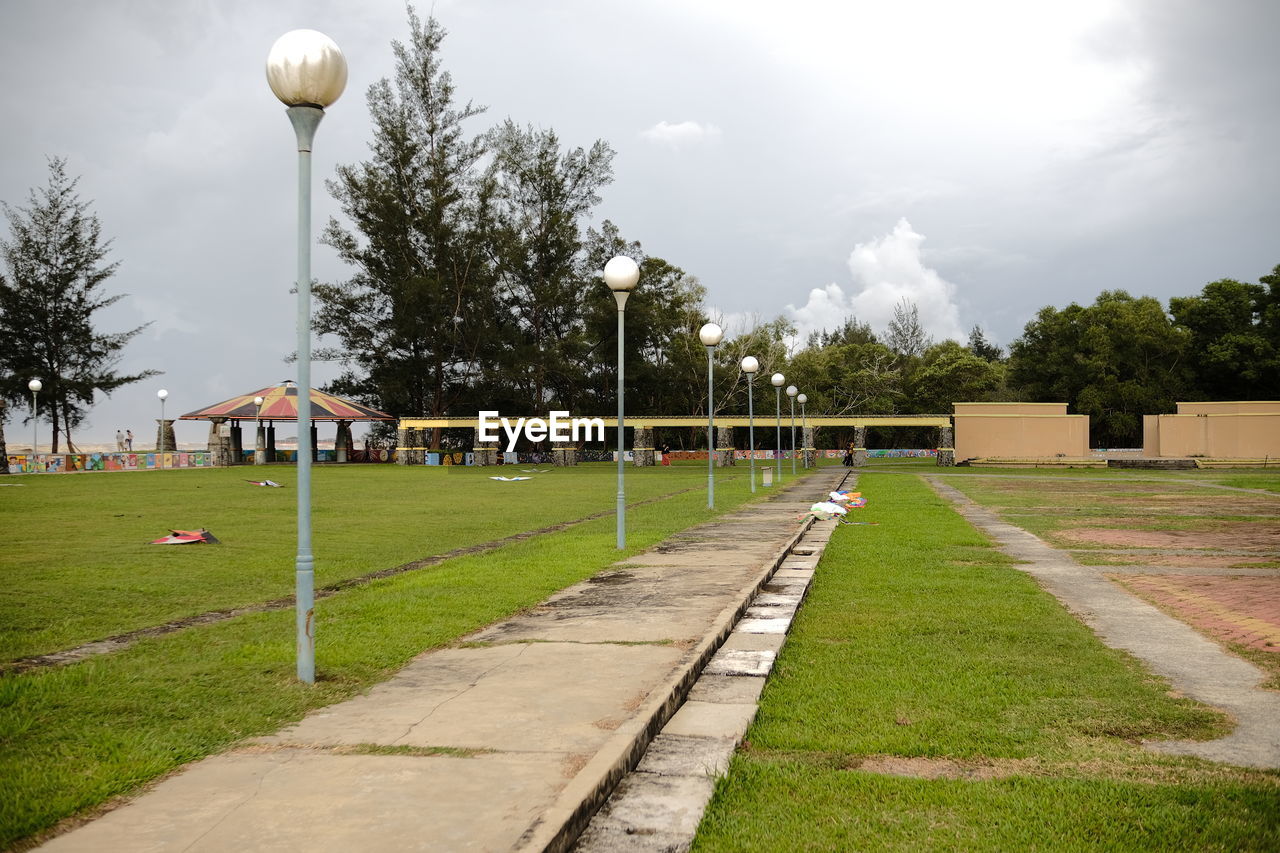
259, 442
802, 399
777, 379
749, 367
792, 391
162, 394
711, 334
621, 274
307, 72
35, 385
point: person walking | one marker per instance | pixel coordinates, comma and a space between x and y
119, 441
128, 440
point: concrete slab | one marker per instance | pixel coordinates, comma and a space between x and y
741, 662
711, 719
779, 625
649, 813
728, 689
304, 800
685, 755
743, 640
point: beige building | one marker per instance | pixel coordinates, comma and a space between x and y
1019, 431
1230, 430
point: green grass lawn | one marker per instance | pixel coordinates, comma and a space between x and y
73, 737
76, 565
921, 651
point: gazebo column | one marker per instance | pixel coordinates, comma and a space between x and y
260, 445
724, 447
219, 444
411, 447
642, 447
271, 442
164, 435
564, 453
946, 447
341, 441
237, 443
859, 446
810, 452
315, 450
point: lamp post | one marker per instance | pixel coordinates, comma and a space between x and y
621, 274
802, 399
307, 72
749, 367
259, 444
35, 385
162, 394
777, 379
711, 334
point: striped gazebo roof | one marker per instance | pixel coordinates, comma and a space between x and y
280, 403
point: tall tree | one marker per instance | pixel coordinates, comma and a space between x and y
1115, 360
905, 335
541, 195
415, 316
1234, 349
55, 269
983, 348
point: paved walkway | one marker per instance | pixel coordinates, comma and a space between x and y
507, 743
1195, 665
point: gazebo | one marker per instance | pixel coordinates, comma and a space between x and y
279, 403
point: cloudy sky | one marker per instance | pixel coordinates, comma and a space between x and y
809, 159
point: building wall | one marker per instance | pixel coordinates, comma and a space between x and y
1019, 431
1219, 430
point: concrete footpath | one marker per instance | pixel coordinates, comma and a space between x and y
509, 742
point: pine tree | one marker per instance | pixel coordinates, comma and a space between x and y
55, 268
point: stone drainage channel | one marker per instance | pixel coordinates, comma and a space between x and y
658, 805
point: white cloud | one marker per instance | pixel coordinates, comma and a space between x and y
884, 272
681, 135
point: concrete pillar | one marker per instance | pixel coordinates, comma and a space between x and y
564, 454
164, 435
411, 447
260, 445
724, 447
859, 446
342, 441
219, 444
946, 447
809, 451
271, 442
486, 452
315, 449
237, 443
642, 448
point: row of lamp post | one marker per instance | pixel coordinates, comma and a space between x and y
35, 385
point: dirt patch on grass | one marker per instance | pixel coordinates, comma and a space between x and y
1233, 537
941, 768
1180, 560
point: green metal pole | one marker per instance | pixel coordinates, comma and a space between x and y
777, 440
711, 434
751, 429
793, 436
305, 121
621, 297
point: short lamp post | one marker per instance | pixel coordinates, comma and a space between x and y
802, 399
307, 72
259, 440
162, 394
792, 391
711, 335
777, 379
749, 366
34, 385
621, 275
